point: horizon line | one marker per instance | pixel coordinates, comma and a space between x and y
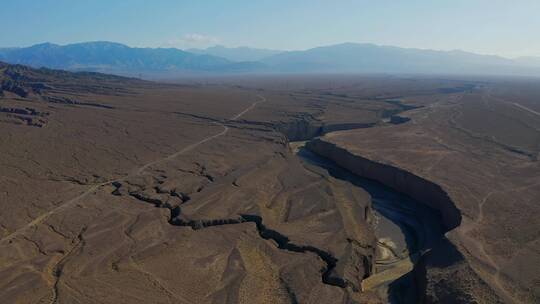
275, 49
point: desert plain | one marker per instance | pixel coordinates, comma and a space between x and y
268, 189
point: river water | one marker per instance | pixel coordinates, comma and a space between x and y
404, 229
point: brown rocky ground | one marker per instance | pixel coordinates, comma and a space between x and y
115, 190
162, 194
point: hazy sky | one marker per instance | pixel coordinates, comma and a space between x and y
505, 27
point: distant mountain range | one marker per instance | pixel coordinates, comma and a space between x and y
370, 58
237, 54
115, 58
529, 61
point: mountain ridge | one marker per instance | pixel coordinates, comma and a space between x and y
110, 57
239, 54
116, 58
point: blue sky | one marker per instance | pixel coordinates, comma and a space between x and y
504, 27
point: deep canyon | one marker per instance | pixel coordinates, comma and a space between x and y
275, 189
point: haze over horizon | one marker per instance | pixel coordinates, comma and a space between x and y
479, 26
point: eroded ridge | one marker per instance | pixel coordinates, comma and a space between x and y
281, 241
173, 201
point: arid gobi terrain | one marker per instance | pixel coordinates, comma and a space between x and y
253, 189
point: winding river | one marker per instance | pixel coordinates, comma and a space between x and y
404, 228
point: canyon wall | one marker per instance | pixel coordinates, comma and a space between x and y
306, 129
400, 180
443, 273
299, 129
